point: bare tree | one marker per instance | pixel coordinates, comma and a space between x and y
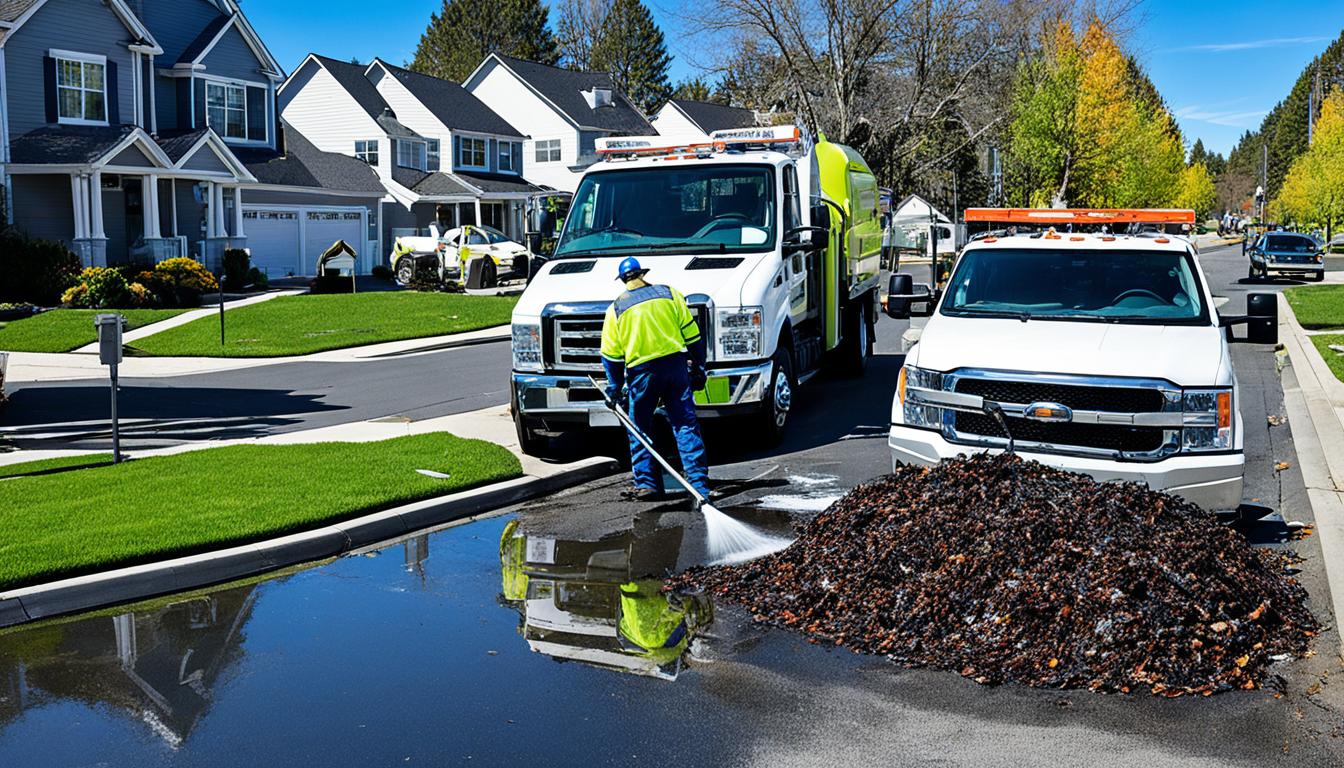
578, 29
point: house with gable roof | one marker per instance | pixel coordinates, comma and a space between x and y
561, 112
695, 120
139, 130
442, 155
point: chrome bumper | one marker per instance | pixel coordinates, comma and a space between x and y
571, 398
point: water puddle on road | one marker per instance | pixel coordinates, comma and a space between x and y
452, 632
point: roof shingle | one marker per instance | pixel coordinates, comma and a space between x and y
53, 145
304, 165
565, 87
452, 104
715, 117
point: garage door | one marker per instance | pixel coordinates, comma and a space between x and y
325, 228
273, 238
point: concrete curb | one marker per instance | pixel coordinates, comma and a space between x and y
1311, 396
138, 582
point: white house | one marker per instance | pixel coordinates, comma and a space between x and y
442, 155
695, 120
560, 112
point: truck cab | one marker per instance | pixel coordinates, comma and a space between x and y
1092, 352
775, 241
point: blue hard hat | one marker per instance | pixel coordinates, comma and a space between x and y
630, 269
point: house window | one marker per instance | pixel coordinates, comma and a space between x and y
367, 151
471, 153
411, 154
81, 89
548, 151
506, 156
432, 154
226, 109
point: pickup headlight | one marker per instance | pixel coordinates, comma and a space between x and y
738, 333
913, 413
526, 347
1207, 421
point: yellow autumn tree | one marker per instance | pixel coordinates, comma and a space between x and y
1196, 190
1313, 191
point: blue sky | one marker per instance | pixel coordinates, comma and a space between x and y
1220, 65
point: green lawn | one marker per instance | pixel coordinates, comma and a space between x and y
299, 325
62, 330
1317, 306
148, 509
45, 466
1332, 358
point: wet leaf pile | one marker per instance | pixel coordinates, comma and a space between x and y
1011, 571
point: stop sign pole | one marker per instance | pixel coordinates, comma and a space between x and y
110, 327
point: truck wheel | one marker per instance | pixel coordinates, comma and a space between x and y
774, 416
532, 442
489, 273
405, 271
857, 344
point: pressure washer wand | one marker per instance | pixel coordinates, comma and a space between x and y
647, 443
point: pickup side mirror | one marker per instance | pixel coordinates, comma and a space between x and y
794, 242
903, 295
1261, 320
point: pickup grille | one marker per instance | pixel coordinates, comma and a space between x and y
576, 339
1079, 398
1104, 437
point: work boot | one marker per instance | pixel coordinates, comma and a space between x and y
642, 494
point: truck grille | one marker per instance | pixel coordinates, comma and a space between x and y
1104, 437
1079, 398
578, 342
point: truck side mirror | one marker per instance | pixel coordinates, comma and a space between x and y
1261, 320
794, 242
903, 294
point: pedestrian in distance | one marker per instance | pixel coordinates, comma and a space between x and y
653, 352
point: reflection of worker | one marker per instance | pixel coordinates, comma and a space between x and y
659, 626
649, 339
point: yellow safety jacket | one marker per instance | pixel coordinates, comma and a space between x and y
647, 323
651, 622
512, 556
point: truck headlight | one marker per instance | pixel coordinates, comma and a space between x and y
738, 332
526, 347
913, 412
1207, 420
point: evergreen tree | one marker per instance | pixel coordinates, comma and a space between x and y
632, 49
696, 89
464, 32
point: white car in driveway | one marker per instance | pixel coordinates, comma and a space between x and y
1095, 353
445, 253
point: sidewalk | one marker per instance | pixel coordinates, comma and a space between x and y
29, 367
1314, 399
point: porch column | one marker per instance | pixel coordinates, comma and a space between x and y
96, 205
477, 201
221, 228
77, 206
211, 211
150, 194
238, 212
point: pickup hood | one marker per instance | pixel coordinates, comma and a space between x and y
723, 285
1185, 355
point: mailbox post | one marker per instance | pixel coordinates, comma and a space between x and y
110, 327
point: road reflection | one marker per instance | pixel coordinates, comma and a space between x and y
601, 602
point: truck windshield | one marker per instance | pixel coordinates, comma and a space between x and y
1058, 284
693, 209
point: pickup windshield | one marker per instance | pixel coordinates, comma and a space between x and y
1057, 284
692, 209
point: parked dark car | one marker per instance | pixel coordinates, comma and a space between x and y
1287, 253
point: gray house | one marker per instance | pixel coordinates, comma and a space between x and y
441, 154
139, 130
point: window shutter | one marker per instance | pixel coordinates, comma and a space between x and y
198, 96
491, 155
256, 114
113, 93
49, 77
518, 157
457, 151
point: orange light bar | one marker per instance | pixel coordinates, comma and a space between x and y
1080, 215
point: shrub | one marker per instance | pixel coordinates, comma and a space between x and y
140, 295
382, 272
236, 263
179, 282
99, 288
257, 279
36, 271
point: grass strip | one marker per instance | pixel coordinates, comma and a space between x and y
300, 325
63, 330
59, 464
159, 507
1332, 358
1317, 306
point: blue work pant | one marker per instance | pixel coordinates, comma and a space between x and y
667, 380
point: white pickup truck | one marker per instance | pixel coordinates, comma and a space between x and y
1095, 353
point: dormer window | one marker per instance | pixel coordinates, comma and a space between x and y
226, 109
81, 88
471, 153
411, 154
598, 97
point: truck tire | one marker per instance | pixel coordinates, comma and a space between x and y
405, 271
857, 344
489, 273
773, 419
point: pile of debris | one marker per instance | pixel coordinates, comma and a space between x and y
1005, 570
